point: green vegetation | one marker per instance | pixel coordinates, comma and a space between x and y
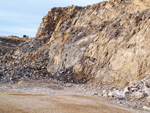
25, 36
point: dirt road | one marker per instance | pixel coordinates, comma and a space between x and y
41, 103
50, 97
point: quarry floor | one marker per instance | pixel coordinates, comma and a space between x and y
43, 96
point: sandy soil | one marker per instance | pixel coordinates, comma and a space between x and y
25, 99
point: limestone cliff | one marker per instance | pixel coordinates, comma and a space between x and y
108, 41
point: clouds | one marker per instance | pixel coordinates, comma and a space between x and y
21, 17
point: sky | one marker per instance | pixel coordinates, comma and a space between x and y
23, 17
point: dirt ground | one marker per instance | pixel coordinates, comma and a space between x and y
25, 99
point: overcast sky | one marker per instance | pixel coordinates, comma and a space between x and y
19, 17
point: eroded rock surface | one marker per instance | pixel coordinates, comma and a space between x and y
108, 41
105, 45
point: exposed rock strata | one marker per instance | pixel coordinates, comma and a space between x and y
108, 41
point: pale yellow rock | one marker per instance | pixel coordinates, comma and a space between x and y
148, 99
146, 108
108, 41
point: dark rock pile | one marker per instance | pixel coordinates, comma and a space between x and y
26, 62
8, 45
69, 76
30, 61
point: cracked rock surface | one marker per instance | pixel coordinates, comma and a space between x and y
107, 43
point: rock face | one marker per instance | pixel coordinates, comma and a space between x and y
108, 41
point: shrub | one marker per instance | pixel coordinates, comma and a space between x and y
25, 36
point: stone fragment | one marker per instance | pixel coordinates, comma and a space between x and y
146, 108
148, 99
105, 93
137, 95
